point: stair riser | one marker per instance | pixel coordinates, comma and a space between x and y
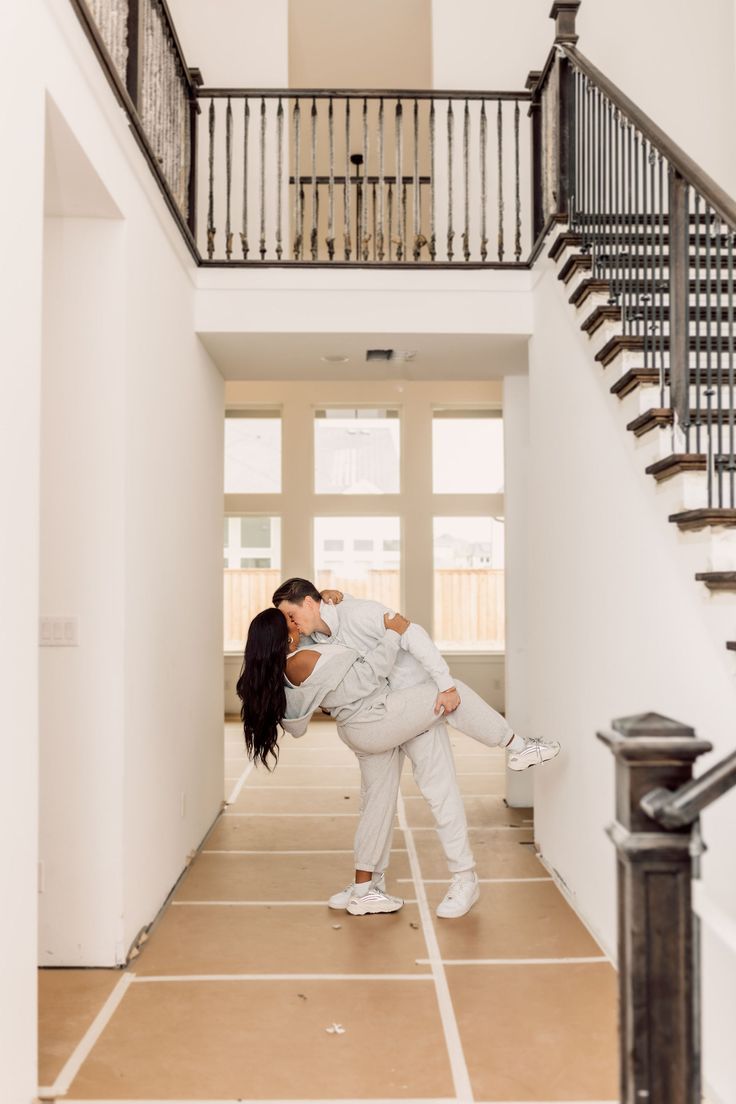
648, 397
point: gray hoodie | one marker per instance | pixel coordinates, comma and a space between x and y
343, 682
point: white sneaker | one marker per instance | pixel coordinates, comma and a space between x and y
340, 900
375, 900
535, 752
460, 897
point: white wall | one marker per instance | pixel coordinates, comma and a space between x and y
20, 190
82, 575
672, 57
236, 43
136, 422
619, 627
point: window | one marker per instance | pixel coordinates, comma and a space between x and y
365, 568
469, 583
252, 554
253, 452
356, 451
467, 452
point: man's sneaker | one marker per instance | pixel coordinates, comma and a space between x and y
460, 897
535, 752
375, 900
340, 900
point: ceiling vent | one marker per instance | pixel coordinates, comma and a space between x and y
398, 355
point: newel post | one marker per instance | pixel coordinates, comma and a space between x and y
659, 975
564, 13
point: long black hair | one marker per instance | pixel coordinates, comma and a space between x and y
261, 686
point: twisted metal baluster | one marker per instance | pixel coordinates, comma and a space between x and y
364, 204
499, 132
483, 183
348, 246
313, 243
381, 183
450, 129
400, 179
373, 217
432, 228
280, 180
390, 221
263, 180
244, 229
228, 178
419, 241
297, 181
331, 193
466, 182
211, 231
517, 236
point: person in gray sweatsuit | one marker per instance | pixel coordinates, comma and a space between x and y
358, 686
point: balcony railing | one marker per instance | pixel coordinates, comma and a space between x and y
365, 177
335, 177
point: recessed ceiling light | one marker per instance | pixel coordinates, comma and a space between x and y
335, 359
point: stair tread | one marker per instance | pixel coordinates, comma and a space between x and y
677, 462
699, 519
649, 377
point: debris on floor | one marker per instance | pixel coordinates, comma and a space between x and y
335, 1029
336, 927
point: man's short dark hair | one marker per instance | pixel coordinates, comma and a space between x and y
296, 590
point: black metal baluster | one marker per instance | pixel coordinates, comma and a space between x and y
211, 231
614, 259
432, 172
347, 186
228, 178
708, 337
731, 396
499, 137
450, 128
517, 176
297, 180
399, 138
331, 185
374, 220
279, 180
244, 226
364, 206
698, 361
417, 209
466, 182
313, 236
719, 360
662, 284
262, 167
648, 254
483, 182
598, 148
381, 184
641, 241
390, 204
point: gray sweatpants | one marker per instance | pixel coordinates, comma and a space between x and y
374, 739
408, 712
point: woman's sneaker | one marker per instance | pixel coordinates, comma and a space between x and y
460, 897
374, 901
535, 752
340, 900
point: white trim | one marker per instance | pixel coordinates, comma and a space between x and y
318, 851
239, 784
569, 897
151, 978
354, 816
584, 959
453, 1042
82, 1050
266, 904
481, 881
342, 1100
268, 789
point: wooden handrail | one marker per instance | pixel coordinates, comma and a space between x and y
358, 94
691, 172
680, 808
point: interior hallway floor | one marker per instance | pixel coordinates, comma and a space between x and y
249, 988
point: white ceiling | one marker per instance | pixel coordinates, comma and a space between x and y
269, 356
